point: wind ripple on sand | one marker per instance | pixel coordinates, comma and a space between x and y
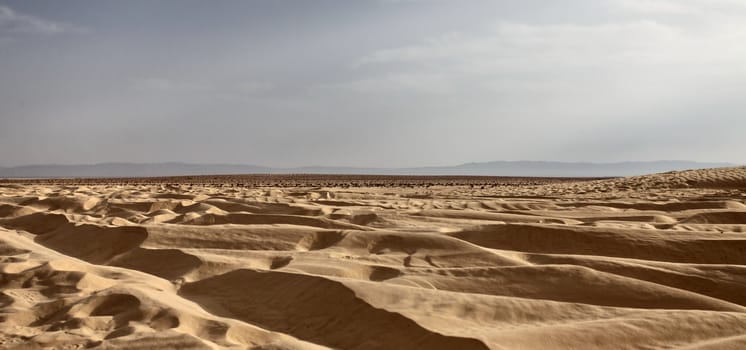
646, 262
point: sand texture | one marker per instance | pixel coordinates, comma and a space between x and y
649, 262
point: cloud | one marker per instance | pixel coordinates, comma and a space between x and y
681, 7
579, 77
637, 42
549, 55
398, 83
12, 22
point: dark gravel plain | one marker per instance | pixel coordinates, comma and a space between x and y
307, 180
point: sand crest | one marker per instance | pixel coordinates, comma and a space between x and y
655, 261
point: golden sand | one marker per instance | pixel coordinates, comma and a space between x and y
647, 262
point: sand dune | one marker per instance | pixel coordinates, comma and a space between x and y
645, 262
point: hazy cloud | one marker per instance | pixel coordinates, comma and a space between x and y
521, 47
681, 7
12, 22
373, 83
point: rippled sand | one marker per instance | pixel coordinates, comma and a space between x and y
647, 262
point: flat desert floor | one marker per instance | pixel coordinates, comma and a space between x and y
651, 262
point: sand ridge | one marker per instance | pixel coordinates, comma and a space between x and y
655, 261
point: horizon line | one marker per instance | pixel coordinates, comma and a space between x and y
368, 167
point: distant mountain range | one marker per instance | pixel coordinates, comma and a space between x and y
498, 168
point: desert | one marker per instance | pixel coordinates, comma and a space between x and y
367, 262
373, 174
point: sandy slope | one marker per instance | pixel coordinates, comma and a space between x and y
639, 263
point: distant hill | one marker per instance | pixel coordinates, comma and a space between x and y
567, 169
498, 168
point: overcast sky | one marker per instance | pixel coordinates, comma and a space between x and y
371, 83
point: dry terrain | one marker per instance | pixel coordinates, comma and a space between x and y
356, 262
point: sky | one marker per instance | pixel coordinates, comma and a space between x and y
378, 83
